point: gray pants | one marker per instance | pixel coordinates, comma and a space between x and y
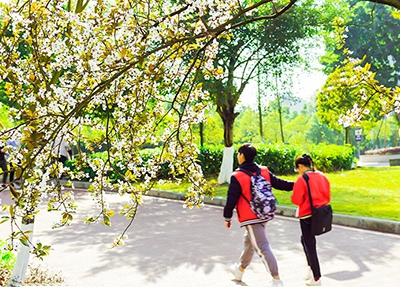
256, 239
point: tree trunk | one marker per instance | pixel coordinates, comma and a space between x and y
227, 165
280, 120
279, 109
201, 134
21, 264
396, 139
385, 133
228, 117
347, 135
260, 122
377, 145
228, 120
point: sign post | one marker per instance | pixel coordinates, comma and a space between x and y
358, 134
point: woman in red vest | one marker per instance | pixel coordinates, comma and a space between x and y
321, 195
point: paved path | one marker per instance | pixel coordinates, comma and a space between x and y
172, 246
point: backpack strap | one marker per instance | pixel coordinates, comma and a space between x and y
265, 173
249, 174
306, 178
261, 170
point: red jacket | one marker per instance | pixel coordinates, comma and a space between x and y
320, 192
240, 184
244, 212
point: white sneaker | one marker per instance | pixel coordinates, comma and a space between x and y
276, 283
308, 275
312, 282
234, 268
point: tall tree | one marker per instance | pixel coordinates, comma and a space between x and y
259, 106
123, 67
339, 95
352, 92
279, 82
276, 116
373, 32
239, 56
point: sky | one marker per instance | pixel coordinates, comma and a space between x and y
305, 88
305, 83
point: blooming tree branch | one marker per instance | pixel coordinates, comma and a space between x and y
354, 81
125, 68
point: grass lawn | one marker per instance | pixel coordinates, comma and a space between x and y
368, 191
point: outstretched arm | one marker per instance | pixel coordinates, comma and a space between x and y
279, 183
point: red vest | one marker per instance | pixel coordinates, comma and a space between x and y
320, 190
243, 208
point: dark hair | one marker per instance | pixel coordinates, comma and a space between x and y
305, 160
249, 151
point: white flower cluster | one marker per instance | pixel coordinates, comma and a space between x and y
124, 72
352, 116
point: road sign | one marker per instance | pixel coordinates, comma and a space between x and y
358, 135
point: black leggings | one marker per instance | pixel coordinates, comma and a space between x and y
310, 246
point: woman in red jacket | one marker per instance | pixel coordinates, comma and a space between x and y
320, 191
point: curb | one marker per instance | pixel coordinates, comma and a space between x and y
374, 224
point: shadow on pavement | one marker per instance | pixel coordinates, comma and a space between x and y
166, 238
160, 239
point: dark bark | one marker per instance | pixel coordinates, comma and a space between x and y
201, 134
393, 3
228, 117
260, 121
280, 120
347, 135
396, 140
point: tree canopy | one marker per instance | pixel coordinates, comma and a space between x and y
267, 44
352, 93
125, 68
372, 32
393, 3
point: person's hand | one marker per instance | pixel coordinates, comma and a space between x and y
228, 224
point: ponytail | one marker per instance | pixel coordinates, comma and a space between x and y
305, 160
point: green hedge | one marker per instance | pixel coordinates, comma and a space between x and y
332, 157
210, 159
278, 158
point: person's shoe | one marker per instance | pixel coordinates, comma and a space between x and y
234, 268
312, 282
276, 283
308, 275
